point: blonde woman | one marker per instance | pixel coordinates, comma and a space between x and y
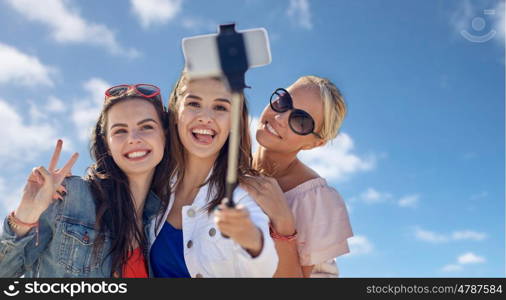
309, 220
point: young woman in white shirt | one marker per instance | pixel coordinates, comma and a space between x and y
187, 240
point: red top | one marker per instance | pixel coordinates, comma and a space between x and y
135, 266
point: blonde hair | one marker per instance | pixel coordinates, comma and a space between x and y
334, 107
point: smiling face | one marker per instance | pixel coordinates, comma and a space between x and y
203, 117
274, 132
135, 136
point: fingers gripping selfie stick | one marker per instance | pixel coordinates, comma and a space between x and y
228, 54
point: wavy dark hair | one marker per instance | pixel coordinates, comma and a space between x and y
115, 210
217, 180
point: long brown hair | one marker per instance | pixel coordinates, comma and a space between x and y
217, 179
115, 210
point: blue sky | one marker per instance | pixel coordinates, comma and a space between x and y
420, 159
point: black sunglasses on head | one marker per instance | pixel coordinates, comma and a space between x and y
300, 121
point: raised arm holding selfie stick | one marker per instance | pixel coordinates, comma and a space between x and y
200, 235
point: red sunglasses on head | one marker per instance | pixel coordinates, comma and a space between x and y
141, 89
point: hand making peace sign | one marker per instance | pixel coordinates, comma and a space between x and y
42, 185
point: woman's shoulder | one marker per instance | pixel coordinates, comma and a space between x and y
257, 215
78, 189
75, 182
241, 195
309, 185
315, 189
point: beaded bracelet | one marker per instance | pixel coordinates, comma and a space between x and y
15, 223
275, 235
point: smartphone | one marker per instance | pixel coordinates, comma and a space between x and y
202, 57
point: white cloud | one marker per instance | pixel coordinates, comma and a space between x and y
469, 235
159, 12
470, 258
429, 236
340, 162
359, 245
22, 142
198, 24
434, 237
86, 110
452, 268
409, 201
3, 189
44, 111
20, 68
55, 105
372, 196
150, 12
13, 196
35, 113
67, 26
464, 259
10, 197
300, 12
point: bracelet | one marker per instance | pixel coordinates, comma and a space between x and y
15, 223
275, 235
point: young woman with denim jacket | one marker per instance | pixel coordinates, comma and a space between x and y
190, 243
95, 226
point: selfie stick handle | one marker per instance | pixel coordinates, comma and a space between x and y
233, 148
234, 64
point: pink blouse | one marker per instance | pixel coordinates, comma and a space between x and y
322, 223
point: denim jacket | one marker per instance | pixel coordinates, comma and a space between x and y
66, 238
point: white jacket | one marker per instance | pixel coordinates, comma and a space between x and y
207, 253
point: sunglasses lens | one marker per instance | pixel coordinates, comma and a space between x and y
281, 101
301, 122
117, 90
147, 90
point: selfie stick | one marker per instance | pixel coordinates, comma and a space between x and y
234, 64
228, 54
